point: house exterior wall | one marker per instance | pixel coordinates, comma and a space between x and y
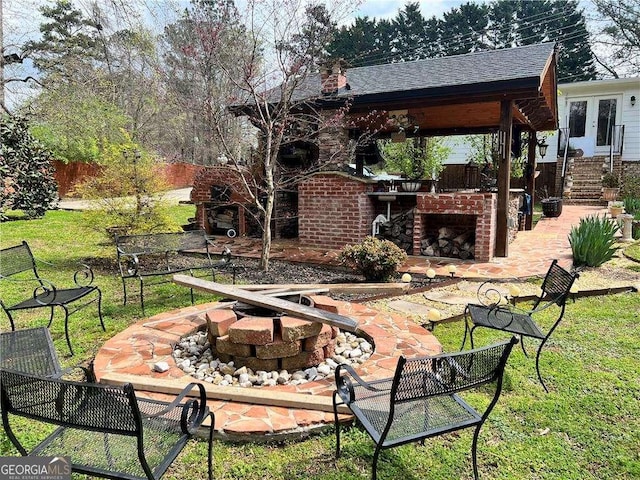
630, 114
333, 210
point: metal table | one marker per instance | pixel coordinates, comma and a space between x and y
29, 351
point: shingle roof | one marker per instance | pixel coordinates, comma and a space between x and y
527, 62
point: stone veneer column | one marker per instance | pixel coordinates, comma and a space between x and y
333, 141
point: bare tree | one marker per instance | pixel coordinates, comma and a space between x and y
619, 35
273, 79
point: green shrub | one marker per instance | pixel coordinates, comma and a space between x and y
127, 194
631, 186
592, 241
631, 205
26, 174
610, 180
376, 259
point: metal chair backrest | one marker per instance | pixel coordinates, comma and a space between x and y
161, 242
16, 259
449, 373
557, 284
29, 351
71, 404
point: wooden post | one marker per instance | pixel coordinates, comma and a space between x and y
530, 177
504, 176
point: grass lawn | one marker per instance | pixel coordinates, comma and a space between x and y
587, 427
633, 251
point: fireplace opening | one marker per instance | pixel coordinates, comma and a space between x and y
448, 235
223, 220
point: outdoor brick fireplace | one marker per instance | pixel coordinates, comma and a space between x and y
467, 211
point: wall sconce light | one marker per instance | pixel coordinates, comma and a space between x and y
542, 146
633, 100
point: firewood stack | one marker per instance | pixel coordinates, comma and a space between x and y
399, 230
449, 243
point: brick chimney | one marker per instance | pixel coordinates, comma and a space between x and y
333, 78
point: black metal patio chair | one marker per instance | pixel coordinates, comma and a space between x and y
493, 312
421, 400
105, 431
19, 260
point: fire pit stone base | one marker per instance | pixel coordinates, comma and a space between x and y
263, 343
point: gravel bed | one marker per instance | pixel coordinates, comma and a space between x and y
193, 355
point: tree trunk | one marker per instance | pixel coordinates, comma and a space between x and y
270, 191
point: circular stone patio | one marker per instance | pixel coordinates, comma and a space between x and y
264, 413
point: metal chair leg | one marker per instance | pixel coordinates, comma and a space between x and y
50, 317
524, 350
337, 425
474, 451
100, 310
66, 328
374, 473
124, 291
471, 335
538, 366
210, 449
142, 296
466, 328
13, 325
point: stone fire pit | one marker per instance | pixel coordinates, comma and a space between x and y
274, 412
249, 350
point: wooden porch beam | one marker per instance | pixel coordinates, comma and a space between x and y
504, 176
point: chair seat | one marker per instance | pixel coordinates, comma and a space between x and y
62, 297
413, 420
501, 318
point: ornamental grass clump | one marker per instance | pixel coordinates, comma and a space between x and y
376, 259
592, 241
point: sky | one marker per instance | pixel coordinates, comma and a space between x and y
21, 19
388, 8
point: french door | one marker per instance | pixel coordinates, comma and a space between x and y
591, 122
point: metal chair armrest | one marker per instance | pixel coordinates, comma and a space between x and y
193, 411
129, 264
345, 385
490, 296
45, 288
83, 277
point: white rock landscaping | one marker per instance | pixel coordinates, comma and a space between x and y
193, 355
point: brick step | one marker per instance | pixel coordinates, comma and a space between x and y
587, 182
586, 186
592, 191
